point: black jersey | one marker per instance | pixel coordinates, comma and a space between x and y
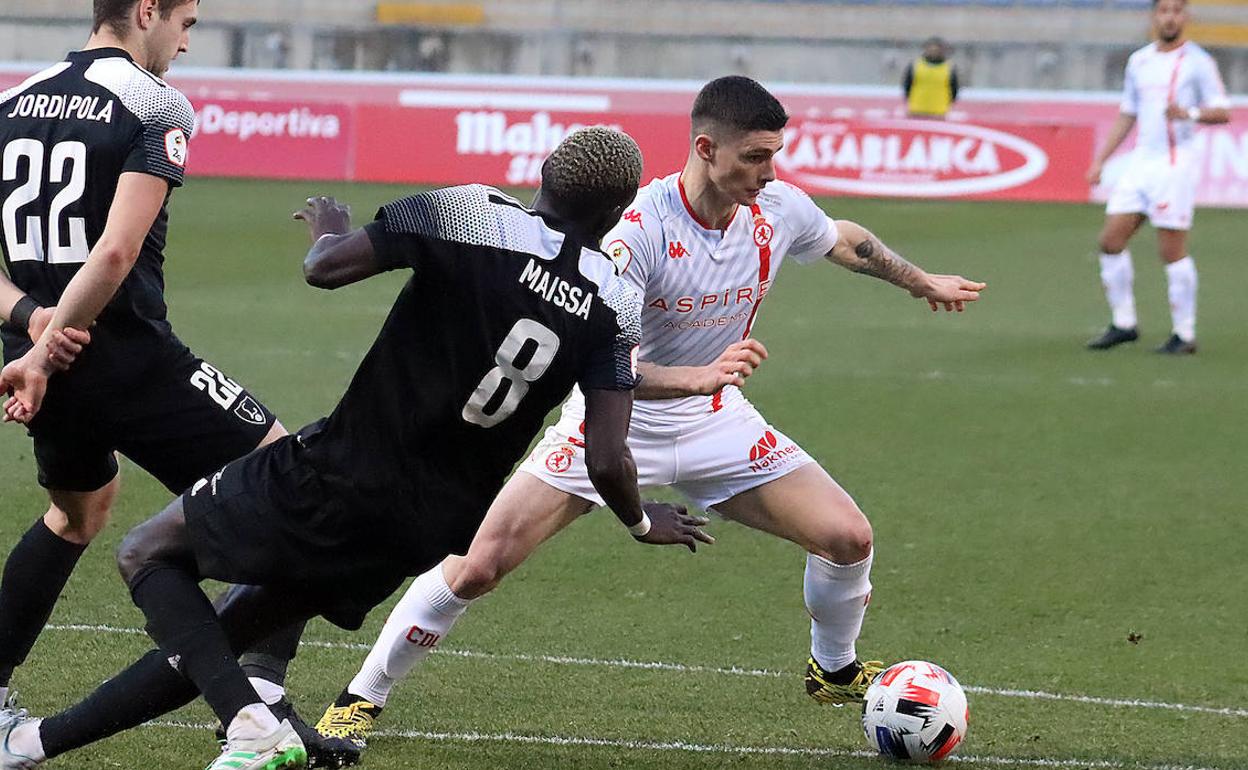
66, 136
504, 313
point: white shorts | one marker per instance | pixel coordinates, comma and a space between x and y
708, 460
1164, 191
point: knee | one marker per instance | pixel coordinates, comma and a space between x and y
476, 577
134, 552
848, 543
79, 524
1110, 244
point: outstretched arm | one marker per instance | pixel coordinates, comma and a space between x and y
859, 250
339, 255
738, 361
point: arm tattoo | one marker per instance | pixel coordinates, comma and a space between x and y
877, 260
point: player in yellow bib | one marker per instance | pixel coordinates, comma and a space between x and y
931, 82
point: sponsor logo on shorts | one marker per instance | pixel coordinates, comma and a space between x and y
249, 411
767, 455
560, 460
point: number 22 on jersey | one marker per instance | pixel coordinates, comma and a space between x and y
66, 165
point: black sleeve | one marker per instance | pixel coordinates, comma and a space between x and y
161, 146
907, 80
612, 361
392, 250
953, 83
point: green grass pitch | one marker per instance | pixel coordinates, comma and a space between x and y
1034, 505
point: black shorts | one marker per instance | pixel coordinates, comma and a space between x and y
267, 519
182, 420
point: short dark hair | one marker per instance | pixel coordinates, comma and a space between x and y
738, 104
593, 171
114, 12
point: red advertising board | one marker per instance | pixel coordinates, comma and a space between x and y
427, 129
272, 139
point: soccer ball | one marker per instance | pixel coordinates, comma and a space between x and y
915, 711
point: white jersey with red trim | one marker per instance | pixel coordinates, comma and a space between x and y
1186, 76
702, 287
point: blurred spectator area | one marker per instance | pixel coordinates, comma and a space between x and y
1074, 44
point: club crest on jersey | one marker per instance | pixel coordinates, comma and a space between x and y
762, 232
621, 256
249, 411
176, 147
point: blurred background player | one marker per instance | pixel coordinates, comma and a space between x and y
102, 131
1171, 86
703, 246
930, 83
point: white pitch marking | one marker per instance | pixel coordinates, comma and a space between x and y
566, 660
722, 748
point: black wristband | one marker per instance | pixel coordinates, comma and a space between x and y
22, 311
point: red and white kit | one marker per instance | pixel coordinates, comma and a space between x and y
1161, 176
702, 291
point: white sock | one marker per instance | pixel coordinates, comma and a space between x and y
1182, 284
418, 623
836, 598
251, 723
1118, 279
4, 695
26, 741
269, 692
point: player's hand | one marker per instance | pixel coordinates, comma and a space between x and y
1175, 112
951, 291
24, 381
1094, 174
671, 525
39, 321
64, 346
737, 362
325, 215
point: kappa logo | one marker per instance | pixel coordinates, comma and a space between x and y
634, 216
250, 412
676, 250
560, 460
175, 147
763, 447
762, 232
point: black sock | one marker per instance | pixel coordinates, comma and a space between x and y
146, 690
184, 625
34, 576
269, 658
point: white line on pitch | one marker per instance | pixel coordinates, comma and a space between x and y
565, 660
722, 748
